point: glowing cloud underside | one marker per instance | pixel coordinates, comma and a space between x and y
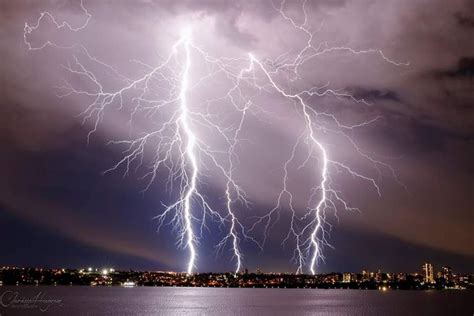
165, 90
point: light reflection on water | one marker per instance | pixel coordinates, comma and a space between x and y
218, 301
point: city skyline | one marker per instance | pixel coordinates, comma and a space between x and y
444, 279
444, 271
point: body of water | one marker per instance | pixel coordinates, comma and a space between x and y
62, 300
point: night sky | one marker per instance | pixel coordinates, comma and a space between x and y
58, 209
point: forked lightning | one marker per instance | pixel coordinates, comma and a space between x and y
165, 94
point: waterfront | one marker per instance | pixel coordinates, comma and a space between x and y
445, 279
84, 300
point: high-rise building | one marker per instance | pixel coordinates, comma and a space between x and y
447, 273
428, 273
346, 277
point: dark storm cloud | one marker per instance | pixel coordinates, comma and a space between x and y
47, 187
374, 95
440, 45
463, 70
88, 231
426, 109
464, 19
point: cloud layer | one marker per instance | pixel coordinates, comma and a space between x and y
426, 112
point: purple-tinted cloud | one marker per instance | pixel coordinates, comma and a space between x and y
426, 109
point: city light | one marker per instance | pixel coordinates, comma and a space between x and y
379, 280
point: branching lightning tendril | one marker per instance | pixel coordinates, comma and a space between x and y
179, 148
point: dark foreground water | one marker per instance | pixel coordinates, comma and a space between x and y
215, 301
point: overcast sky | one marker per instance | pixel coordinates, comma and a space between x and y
58, 209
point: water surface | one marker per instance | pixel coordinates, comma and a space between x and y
63, 300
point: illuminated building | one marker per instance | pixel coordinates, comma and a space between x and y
346, 277
401, 276
378, 276
365, 275
428, 274
447, 273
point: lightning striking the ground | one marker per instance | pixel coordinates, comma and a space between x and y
169, 96
190, 153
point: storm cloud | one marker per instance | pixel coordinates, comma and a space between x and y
425, 126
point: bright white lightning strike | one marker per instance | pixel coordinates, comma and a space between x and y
319, 208
191, 143
178, 148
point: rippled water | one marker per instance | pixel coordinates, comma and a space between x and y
215, 301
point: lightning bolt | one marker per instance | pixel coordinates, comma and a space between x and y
190, 152
310, 237
162, 95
